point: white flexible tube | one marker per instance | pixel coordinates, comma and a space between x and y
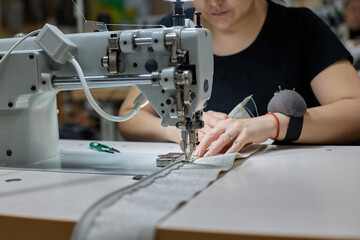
139, 102
18, 42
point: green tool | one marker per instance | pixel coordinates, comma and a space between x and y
103, 148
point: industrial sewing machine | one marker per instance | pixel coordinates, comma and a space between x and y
172, 67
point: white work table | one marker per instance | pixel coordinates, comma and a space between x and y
46, 204
300, 192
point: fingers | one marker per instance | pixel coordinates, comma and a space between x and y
206, 141
200, 136
211, 118
229, 135
218, 115
223, 140
206, 129
238, 144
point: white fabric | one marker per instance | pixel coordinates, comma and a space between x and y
239, 111
136, 214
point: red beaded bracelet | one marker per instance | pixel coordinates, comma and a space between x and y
277, 125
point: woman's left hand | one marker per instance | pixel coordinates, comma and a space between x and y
231, 135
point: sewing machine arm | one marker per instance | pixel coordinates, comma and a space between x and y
172, 67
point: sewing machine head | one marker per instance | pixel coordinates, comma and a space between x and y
172, 67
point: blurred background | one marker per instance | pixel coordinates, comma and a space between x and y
76, 119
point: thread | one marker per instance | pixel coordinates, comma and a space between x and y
79, 10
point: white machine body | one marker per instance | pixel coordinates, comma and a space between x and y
172, 67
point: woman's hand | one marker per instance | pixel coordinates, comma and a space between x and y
231, 135
210, 119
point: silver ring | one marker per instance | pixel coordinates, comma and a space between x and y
227, 133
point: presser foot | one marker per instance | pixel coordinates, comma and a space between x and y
167, 159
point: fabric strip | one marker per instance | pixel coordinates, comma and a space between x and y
135, 214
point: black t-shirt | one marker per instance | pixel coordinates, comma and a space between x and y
354, 34
293, 46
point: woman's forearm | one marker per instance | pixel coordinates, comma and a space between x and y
334, 123
146, 127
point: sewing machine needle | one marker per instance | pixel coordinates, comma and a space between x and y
184, 144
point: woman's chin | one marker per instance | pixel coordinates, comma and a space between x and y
222, 26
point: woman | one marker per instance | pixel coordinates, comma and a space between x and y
349, 32
259, 46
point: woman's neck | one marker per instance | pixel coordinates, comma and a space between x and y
242, 34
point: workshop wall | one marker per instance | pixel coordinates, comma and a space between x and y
26, 15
